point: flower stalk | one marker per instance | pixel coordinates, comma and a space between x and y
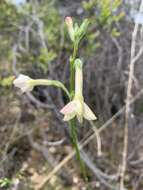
76, 87
76, 108
72, 125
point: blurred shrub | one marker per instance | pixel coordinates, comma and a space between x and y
105, 13
7, 81
5, 182
8, 19
45, 57
42, 44
104, 16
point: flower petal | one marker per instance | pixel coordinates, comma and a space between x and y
24, 83
27, 88
69, 108
69, 116
20, 80
88, 114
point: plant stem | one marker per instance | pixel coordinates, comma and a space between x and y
72, 123
75, 144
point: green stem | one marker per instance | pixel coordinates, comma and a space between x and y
75, 144
46, 82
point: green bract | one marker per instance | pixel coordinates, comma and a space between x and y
76, 32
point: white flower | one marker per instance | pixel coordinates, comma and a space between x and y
77, 107
24, 83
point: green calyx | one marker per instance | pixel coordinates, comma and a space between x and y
78, 64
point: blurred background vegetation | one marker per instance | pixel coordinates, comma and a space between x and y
33, 137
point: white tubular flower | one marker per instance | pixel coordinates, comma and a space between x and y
24, 83
77, 107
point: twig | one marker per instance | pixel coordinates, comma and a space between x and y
98, 173
12, 135
55, 170
120, 53
48, 157
98, 139
134, 58
56, 143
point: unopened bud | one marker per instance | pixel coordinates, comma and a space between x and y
69, 23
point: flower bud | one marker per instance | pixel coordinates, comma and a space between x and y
69, 23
